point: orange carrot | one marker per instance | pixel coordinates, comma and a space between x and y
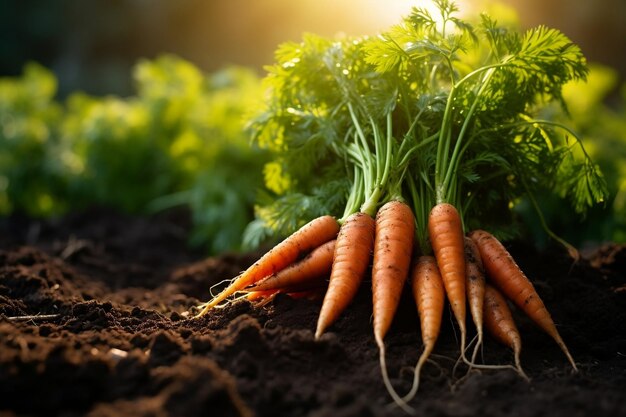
350, 260
509, 278
393, 244
446, 238
500, 324
475, 285
308, 273
429, 295
308, 237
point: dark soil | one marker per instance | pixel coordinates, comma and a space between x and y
113, 336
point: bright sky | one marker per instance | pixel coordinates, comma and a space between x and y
245, 31
365, 16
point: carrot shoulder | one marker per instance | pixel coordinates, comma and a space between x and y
350, 260
308, 237
509, 278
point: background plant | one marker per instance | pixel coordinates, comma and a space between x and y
179, 141
599, 116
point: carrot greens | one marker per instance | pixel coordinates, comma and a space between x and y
456, 102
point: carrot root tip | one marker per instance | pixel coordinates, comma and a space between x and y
318, 333
397, 400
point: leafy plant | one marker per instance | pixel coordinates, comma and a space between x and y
29, 120
435, 123
603, 125
461, 100
179, 141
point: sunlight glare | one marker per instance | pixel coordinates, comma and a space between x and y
383, 13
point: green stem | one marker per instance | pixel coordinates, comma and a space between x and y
454, 159
442, 163
378, 151
357, 126
370, 205
573, 252
406, 156
356, 195
388, 152
421, 206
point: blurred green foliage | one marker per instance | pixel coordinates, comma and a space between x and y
179, 141
30, 176
603, 129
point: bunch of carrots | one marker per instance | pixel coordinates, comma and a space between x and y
425, 132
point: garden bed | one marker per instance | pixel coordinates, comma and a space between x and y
113, 336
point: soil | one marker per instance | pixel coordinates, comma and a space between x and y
110, 335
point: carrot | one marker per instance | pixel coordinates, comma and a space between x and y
350, 260
305, 274
393, 245
429, 295
446, 238
475, 285
500, 324
308, 237
509, 278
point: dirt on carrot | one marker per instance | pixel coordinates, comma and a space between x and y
92, 323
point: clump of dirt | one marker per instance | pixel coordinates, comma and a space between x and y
94, 321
